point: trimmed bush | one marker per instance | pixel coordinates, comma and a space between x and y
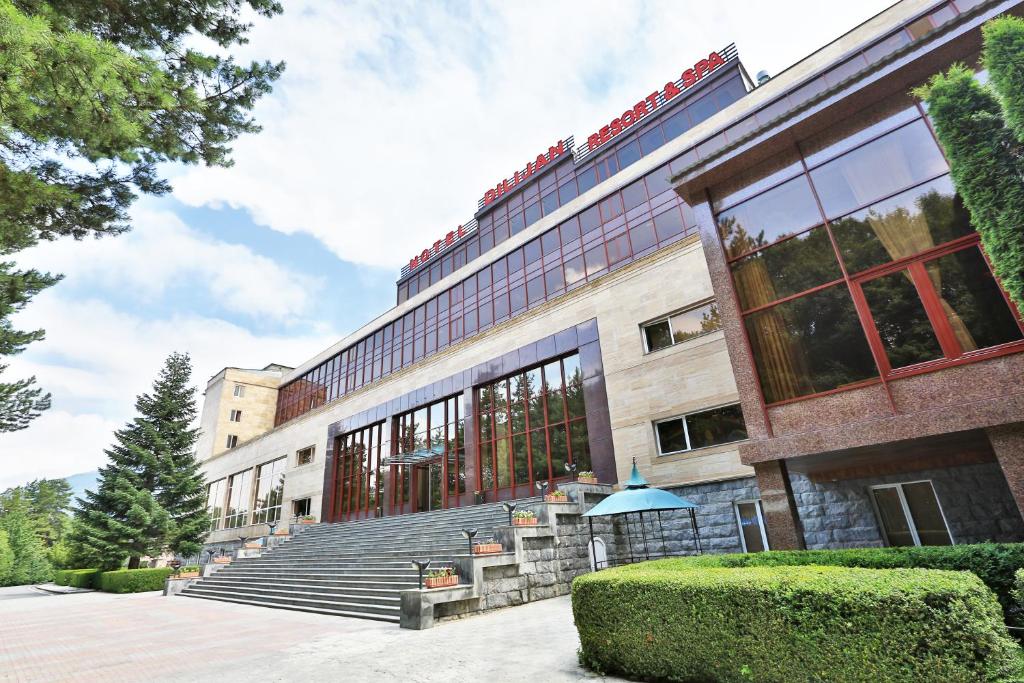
134, 580
994, 563
668, 622
76, 578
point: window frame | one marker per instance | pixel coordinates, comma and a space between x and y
312, 456
231, 442
756, 502
256, 479
668, 318
911, 523
686, 430
239, 390
235, 415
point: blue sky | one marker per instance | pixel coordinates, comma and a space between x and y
391, 120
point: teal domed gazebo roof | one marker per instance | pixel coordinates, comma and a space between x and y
637, 496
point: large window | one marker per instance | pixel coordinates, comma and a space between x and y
680, 327
269, 492
910, 514
357, 488
215, 503
429, 466
700, 430
853, 257
239, 498
750, 519
532, 425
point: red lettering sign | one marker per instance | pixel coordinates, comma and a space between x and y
540, 162
633, 115
437, 247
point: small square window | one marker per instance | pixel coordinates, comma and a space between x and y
301, 507
236, 416
700, 430
681, 327
239, 390
232, 441
304, 456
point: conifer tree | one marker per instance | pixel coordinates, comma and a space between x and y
6, 559
981, 128
150, 494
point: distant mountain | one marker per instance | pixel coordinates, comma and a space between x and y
81, 482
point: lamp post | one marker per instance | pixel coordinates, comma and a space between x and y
542, 486
421, 565
175, 565
273, 526
509, 508
468, 534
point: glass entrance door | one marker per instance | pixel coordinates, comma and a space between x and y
429, 486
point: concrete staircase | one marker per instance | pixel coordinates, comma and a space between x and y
352, 569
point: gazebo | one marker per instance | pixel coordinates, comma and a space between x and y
636, 498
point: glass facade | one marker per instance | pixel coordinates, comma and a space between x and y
357, 483
269, 492
532, 424
239, 499
215, 503
428, 470
853, 258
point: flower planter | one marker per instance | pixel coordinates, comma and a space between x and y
253, 546
551, 498
487, 548
587, 480
222, 560
307, 521
532, 521
442, 581
186, 575
281, 533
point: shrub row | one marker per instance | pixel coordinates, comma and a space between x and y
120, 581
994, 563
662, 621
76, 578
134, 580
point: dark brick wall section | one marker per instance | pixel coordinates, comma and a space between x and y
1008, 444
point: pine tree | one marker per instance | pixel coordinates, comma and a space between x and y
30, 564
6, 559
150, 494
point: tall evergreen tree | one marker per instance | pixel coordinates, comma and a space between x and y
93, 96
981, 128
150, 494
6, 559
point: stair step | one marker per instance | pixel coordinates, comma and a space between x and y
298, 608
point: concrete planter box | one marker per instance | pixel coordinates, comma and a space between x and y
551, 498
442, 581
532, 521
487, 548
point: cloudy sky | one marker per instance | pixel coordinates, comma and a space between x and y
391, 120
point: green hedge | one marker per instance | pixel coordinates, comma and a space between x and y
665, 621
134, 580
76, 578
994, 563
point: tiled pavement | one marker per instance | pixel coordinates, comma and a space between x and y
94, 637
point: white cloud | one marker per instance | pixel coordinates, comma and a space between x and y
95, 360
162, 252
392, 118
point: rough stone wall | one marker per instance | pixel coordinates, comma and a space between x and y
716, 517
975, 499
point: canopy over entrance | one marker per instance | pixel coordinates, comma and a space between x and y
637, 498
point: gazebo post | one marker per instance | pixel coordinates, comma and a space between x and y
629, 538
643, 534
661, 529
593, 548
696, 533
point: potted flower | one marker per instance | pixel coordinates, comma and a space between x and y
486, 548
307, 519
524, 518
442, 578
556, 497
189, 572
222, 559
586, 477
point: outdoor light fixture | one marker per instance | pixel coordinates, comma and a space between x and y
273, 527
468, 534
542, 486
571, 469
421, 565
509, 508
175, 565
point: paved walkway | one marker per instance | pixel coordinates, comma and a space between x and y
146, 637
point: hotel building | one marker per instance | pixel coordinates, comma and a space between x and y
766, 294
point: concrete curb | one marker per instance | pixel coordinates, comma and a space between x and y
61, 590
